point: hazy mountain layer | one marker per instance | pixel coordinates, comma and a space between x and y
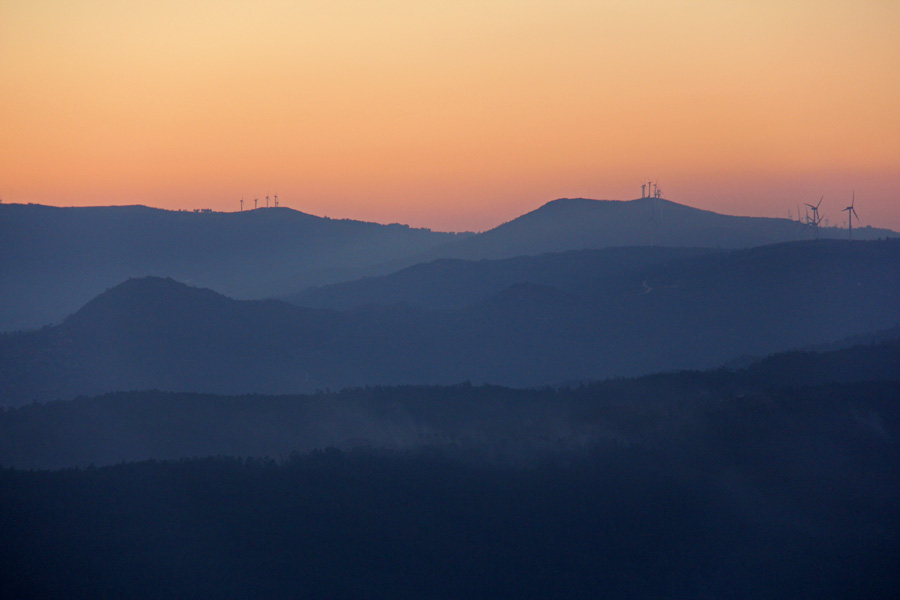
53, 260
456, 283
696, 312
503, 423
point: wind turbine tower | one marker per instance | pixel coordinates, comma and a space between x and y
255, 203
851, 212
816, 219
242, 204
276, 200
267, 201
643, 193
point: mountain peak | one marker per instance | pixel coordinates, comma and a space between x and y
156, 286
142, 297
580, 223
572, 202
587, 203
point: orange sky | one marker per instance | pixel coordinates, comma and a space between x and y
451, 114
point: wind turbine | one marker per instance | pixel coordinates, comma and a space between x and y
816, 219
242, 204
643, 194
850, 213
255, 202
276, 200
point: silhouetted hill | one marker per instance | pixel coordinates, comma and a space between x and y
692, 313
157, 333
577, 223
53, 260
455, 283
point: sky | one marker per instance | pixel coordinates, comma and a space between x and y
454, 115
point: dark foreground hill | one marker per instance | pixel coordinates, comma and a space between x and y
53, 260
679, 492
693, 313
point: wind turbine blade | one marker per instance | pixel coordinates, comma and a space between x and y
854, 213
820, 201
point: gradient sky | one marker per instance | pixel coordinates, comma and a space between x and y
452, 114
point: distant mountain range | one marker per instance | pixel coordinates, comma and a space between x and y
578, 223
665, 312
53, 260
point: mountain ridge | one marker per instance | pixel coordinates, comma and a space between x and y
578, 223
696, 312
53, 260
146, 425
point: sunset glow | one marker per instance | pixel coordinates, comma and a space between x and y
452, 115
